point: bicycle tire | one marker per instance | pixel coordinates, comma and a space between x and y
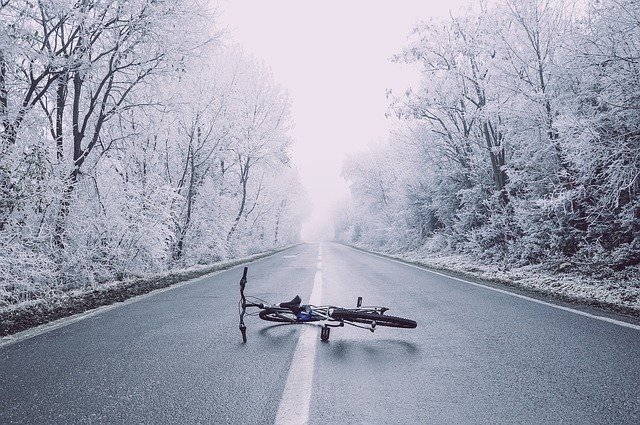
283, 315
379, 319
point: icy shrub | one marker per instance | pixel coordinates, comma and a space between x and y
27, 274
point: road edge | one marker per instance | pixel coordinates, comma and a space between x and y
591, 307
115, 296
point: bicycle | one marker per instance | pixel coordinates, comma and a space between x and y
294, 312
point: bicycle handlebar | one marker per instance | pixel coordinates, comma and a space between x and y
243, 282
243, 305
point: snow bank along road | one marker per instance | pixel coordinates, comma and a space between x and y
477, 356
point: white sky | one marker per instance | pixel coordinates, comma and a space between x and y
332, 56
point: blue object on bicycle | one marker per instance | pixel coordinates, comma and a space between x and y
304, 316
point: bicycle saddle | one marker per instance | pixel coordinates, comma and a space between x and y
293, 305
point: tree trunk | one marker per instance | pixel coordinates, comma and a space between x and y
4, 105
61, 95
244, 177
279, 214
494, 142
182, 231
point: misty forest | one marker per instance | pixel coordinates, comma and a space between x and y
135, 139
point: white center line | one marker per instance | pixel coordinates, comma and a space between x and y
296, 398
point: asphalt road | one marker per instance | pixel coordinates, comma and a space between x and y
477, 355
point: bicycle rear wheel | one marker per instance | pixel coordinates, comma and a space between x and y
369, 318
284, 315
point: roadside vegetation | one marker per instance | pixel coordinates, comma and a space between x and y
518, 150
133, 141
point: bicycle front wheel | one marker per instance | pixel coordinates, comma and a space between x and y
280, 315
369, 318
284, 315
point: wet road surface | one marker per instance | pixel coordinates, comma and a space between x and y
477, 356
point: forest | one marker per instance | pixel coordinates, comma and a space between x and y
134, 140
519, 145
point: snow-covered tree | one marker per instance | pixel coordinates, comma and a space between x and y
522, 138
132, 143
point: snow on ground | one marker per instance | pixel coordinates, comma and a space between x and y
614, 293
18, 317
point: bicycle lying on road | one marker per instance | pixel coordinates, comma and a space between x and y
293, 312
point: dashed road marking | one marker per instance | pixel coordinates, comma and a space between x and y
296, 398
